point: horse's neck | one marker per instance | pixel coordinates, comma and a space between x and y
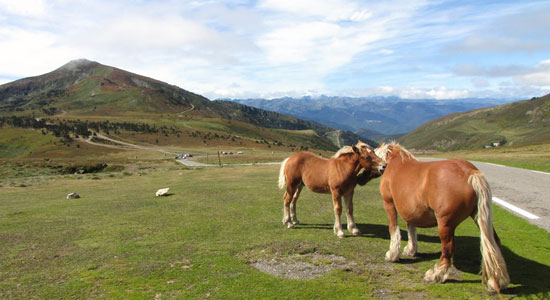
350, 165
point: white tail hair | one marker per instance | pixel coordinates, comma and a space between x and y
282, 177
494, 272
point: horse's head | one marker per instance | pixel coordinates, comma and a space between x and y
368, 159
384, 151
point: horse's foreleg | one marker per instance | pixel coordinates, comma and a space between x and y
412, 245
348, 199
337, 201
442, 269
293, 217
395, 234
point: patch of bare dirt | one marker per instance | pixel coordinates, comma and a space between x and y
302, 262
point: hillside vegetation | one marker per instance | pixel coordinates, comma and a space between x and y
518, 123
70, 102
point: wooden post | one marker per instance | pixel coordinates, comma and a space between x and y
219, 159
206, 157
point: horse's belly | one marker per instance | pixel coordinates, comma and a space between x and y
423, 219
319, 189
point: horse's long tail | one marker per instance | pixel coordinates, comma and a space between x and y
494, 271
282, 177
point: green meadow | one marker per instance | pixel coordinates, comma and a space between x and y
534, 156
203, 241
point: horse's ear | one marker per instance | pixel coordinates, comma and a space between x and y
356, 150
381, 144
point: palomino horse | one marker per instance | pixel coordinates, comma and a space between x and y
337, 175
443, 194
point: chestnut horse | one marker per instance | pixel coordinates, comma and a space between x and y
337, 175
443, 194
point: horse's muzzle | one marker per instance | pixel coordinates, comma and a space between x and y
382, 168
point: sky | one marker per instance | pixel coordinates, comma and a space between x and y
274, 48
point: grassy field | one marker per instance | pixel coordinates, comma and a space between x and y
120, 242
534, 157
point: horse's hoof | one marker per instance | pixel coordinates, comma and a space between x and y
290, 226
429, 277
391, 257
340, 235
409, 252
296, 222
356, 232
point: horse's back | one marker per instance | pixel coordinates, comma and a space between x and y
309, 169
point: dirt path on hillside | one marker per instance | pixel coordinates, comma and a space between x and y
123, 145
186, 111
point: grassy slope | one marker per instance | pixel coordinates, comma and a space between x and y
120, 242
519, 123
534, 157
232, 134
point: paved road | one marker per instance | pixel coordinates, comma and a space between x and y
526, 189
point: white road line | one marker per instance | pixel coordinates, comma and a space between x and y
515, 208
540, 172
496, 165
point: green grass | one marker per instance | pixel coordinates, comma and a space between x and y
16, 142
533, 157
120, 242
518, 123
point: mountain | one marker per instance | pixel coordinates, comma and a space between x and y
371, 116
87, 90
517, 123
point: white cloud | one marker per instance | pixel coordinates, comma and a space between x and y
540, 75
23, 7
328, 10
274, 48
480, 83
29, 53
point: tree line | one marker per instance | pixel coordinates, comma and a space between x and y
66, 128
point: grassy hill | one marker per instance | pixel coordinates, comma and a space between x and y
518, 123
83, 92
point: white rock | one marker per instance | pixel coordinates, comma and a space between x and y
162, 192
73, 196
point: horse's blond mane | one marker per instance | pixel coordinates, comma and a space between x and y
349, 149
342, 151
395, 145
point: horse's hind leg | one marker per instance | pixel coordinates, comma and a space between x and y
440, 272
337, 201
412, 245
348, 198
287, 198
395, 234
293, 217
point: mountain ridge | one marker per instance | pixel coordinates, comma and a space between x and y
84, 89
517, 123
378, 115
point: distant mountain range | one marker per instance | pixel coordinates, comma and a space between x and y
517, 123
369, 116
83, 89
